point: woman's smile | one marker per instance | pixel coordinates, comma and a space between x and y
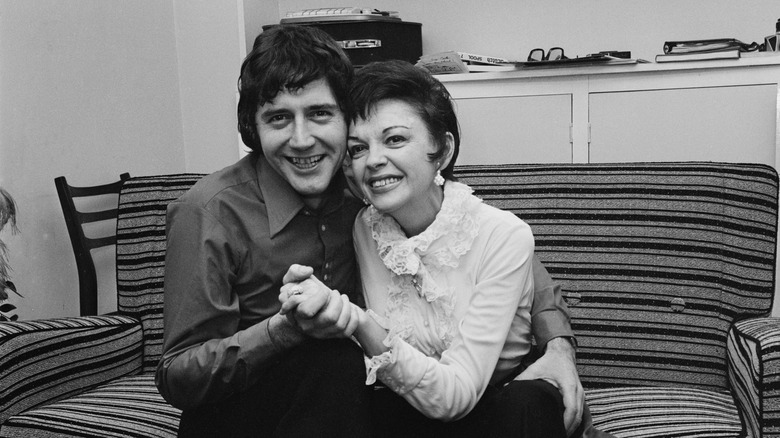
384, 182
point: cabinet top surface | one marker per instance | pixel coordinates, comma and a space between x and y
760, 59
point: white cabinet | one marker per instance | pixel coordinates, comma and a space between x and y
688, 111
733, 123
515, 129
704, 110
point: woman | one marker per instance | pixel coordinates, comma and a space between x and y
446, 279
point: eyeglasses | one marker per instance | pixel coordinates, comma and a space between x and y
554, 54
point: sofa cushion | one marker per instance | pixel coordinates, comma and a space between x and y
140, 253
654, 412
48, 359
754, 367
126, 407
657, 260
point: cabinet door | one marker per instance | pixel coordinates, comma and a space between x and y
516, 129
731, 123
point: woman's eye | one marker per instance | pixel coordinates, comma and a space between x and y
395, 139
357, 150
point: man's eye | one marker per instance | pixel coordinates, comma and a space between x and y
278, 119
322, 115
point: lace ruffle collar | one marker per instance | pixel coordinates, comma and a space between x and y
412, 262
455, 226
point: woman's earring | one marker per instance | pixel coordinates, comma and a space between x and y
438, 179
365, 201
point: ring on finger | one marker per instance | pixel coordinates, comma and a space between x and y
295, 290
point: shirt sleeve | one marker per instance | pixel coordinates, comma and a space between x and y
205, 357
549, 313
449, 388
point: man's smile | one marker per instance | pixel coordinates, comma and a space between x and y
305, 162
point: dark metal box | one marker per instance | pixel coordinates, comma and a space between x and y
374, 39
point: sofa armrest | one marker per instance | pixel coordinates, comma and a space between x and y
42, 361
754, 374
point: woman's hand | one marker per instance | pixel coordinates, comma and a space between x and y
314, 308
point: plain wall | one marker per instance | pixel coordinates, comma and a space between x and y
209, 47
88, 89
93, 88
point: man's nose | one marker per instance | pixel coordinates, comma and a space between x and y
301, 136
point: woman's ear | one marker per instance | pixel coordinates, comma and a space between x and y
449, 143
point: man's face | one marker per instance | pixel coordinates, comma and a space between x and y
303, 136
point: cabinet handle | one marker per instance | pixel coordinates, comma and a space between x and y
360, 44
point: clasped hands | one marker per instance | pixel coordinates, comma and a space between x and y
323, 313
314, 308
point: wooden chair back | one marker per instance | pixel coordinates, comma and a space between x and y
79, 217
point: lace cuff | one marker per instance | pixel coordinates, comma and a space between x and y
401, 368
374, 364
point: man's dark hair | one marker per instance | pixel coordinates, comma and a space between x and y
287, 58
403, 81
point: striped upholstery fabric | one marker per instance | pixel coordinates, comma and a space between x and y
657, 260
140, 253
756, 382
46, 360
648, 412
128, 407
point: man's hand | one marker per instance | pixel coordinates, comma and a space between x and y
314, 308
558, 367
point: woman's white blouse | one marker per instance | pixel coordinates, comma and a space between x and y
455, 300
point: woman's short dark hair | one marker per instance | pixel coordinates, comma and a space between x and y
401, 80
287, 58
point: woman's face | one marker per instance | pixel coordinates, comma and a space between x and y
390, 162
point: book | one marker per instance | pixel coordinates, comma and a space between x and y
473, 58
711, 45
698, 56
476, 68
451, 62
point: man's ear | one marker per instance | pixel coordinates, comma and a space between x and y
449, 143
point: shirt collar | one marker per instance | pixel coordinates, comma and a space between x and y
283, 203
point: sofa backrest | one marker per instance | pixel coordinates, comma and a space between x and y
140, 253
657, 260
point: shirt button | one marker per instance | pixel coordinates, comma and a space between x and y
326, 277
327, 265
323, 227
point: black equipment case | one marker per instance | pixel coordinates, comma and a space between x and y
373, 39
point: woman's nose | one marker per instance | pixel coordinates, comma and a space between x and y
375, 157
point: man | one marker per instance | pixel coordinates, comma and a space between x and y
231, 362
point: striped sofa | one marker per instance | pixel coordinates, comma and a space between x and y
668, 269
